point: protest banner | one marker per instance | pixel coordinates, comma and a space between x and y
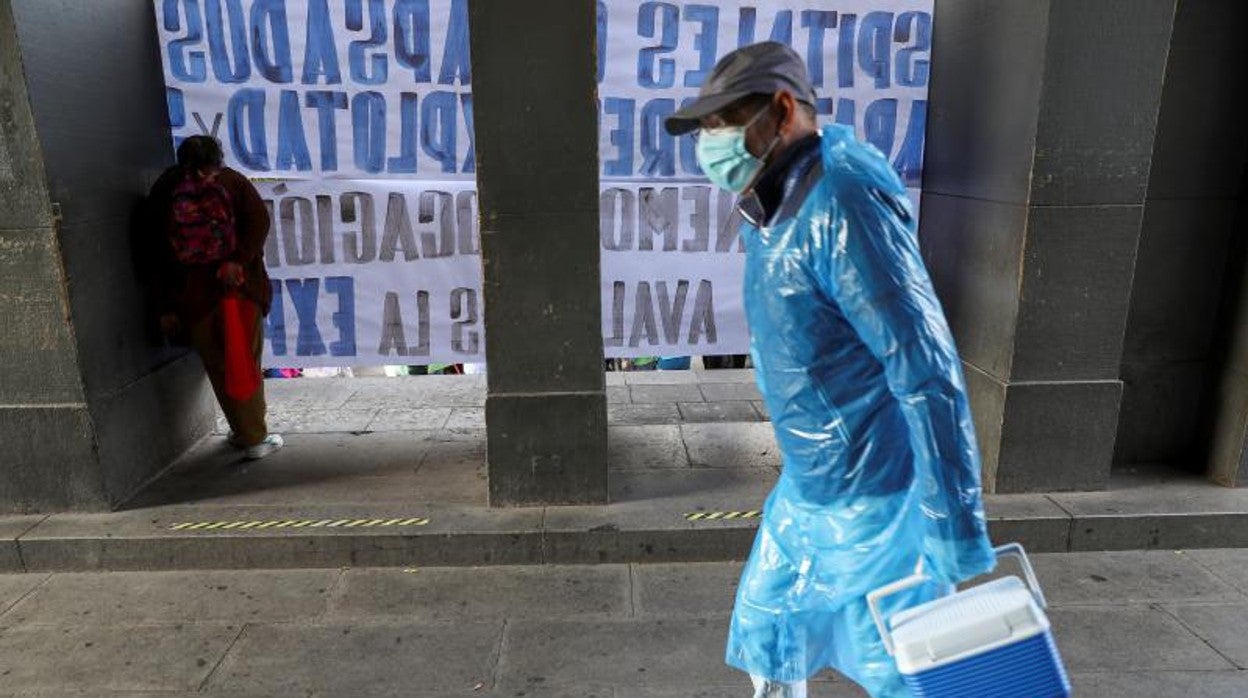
355, 117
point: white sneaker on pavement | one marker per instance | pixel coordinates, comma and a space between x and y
271, 443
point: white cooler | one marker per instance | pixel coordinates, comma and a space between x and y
988, 641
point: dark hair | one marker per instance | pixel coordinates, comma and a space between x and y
200, 153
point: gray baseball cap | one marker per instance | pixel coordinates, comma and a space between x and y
763, 68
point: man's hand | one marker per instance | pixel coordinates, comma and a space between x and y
169, 324
231, 274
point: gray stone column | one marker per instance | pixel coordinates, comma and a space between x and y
1171, 366
91, 406
1041, 128
537, 173
1227, 426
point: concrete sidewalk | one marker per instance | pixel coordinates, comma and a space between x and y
1129, 625
391, 472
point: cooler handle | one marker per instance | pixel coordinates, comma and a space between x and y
875, 597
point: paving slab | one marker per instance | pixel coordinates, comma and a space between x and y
11, 527
636, 527
483, 593
15, 587
1162, 684
409, 419
685, 589
350, 659
465, 450
1030, 519
726, 375
643, 652
642, 394
820, 687
466, 418
661, 377
175, 597
1128, 578
645, 447
112, 657
750, 445
142, 540
1157, 509
618, 395
316, 421
679, 492
449, 482
1230, 566
1129, 638
655, 413
701, 412
1221, 626
724, 392
308, 394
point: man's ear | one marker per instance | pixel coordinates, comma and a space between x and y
785, 106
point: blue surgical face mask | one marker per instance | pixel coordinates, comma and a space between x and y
725, 159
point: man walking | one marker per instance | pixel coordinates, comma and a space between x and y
860, 375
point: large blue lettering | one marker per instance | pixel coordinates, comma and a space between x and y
367, 68
270, 40
292, 144
221, 66
438, 128
344, 317
186, 66
845, 51
368, 120
405, 162
874, 46
705, 42
176, 101
818, 22
909, 162
621, 136
880, 122
470, 160
411, 38
303, 296
325, 102
455, 63
246, 116
602, 40
781, 27
320, 56
649, 18
658, 147
275, 323
846, 112
911, 70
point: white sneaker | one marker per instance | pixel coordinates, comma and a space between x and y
271, 443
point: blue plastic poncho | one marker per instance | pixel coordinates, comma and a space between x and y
862, 380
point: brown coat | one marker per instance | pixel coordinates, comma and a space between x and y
193, 291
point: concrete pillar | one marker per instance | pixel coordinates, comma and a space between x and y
1170, 364
90, 406
536, 129
1227, 426
1040, 134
